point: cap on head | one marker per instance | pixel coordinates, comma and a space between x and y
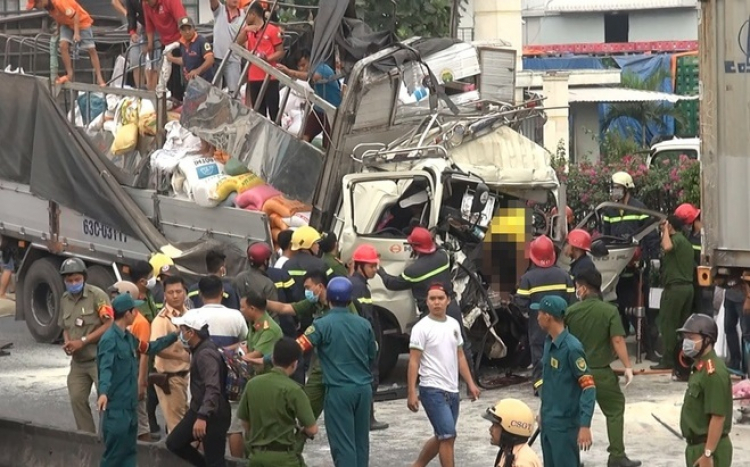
126, 287
124, 303
513, 415
186, 21
193, 319
542, 252
421, 240
552, 305
304, 238
687, 213
168, 270
73, 266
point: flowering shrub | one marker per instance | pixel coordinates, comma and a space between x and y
661, 188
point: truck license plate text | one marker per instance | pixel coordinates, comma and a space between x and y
97, 229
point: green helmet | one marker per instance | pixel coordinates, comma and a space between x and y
73, 266
701, 324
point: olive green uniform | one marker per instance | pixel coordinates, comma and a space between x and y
263, 335
80, 316
677, 298
709, 392
278, 405
595, 322
335, 264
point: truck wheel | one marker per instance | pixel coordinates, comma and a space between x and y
390, 345
101, 277
42, 291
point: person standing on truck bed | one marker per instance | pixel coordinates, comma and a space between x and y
706, 417
677, 298
597, 325
216, 265
624, 224
85, 315
118, 354
74, 27
543, 279
137, 61
265, 41
196, 53
228, 18
366, 260
161, 21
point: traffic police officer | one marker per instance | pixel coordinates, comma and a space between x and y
366, 260
677, 298
279, 406
85, 315
577, 249
346, 346
568, 393
118, 382
620, 223
512, 425
598, 326
542, 279
706, 418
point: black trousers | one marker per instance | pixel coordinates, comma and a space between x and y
269, 105
214, 442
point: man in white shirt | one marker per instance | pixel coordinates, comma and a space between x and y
227, 328
228, 18
437, 357
285, 245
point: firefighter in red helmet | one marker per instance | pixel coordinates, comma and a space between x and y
577, 249
542, 279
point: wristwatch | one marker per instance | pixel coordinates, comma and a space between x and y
708, 453
84, 339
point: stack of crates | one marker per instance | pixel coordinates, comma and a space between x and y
686, 83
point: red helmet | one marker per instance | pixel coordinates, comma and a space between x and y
542, 252
579, 238
421, 240
568, 213
687, 213
366, 254
258, 253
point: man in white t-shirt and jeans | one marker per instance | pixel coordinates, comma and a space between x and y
228, 19
437, 357
227, 328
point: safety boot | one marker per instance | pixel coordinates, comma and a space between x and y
374, 424
622, 462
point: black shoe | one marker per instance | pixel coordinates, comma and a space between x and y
661, 366
622, 462
376, 425
651, 356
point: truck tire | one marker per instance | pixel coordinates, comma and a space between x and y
42, 291
101, 277
390, 344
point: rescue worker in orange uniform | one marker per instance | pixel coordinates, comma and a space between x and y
542, 279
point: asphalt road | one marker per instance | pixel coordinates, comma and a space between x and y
32, 388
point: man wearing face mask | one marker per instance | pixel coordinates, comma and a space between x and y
597, 325
366, 260
677, 298
706, 418
216, 266
85, 314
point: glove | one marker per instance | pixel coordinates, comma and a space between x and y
628, 376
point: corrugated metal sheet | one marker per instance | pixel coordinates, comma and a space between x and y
622, 95
571, 6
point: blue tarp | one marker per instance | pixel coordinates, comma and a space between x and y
643, 66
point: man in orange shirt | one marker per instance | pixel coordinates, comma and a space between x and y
141, 329
174, 361
74, 27
265, 41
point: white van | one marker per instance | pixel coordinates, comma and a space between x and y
672, 149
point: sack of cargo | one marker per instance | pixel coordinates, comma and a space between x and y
179, 138
191, 170
276, 222
299, 219
221, 156
234, 167
204, 191
284, 207
254, 198
238, 184
126, 139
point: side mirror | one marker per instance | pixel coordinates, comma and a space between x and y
599, 249
481, 197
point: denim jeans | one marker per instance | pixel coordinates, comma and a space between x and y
441, 408
732, 315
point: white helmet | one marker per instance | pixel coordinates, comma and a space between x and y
624, 179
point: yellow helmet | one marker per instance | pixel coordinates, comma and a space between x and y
304, 238
513, 415
158, 261
624, 179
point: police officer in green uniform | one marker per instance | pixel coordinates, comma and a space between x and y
568, 392
274, 410
118, 383
263, 333
346, 347
677, 277
329, 246
598, 326
142, 275
85, 315
706, 418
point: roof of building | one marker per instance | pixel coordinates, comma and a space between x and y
604, 94
580, 6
